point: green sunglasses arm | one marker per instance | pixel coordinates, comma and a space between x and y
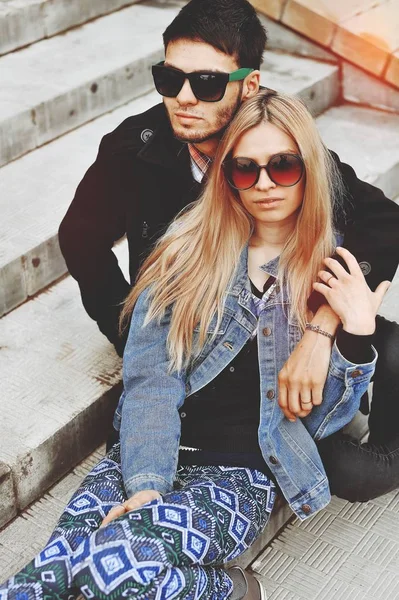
240, 74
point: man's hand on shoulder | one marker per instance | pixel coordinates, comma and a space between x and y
302, 378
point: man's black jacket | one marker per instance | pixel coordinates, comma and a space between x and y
139, 182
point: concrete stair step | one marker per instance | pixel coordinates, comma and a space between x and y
36, 190
26, 535
59, 390
24, 22
364, 32
367, 140
357, 86
317, 83
57, 84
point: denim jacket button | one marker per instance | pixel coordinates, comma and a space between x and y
356, 373
306, 509
188, 388
266, 331
273, 460
270, 394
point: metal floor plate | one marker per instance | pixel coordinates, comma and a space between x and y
345, 552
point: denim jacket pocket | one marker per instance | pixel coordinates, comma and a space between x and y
221, 330
213, 335
118, 412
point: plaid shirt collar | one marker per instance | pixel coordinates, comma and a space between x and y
200, 163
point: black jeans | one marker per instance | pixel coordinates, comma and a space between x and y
359, 472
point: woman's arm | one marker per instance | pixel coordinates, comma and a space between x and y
150, 429
345, 385
305, 372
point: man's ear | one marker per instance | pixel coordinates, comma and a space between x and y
251, 85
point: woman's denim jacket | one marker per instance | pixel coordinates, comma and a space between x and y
148, 417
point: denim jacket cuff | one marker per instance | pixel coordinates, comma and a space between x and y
147, 481
351, 372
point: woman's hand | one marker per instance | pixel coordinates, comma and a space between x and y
349, 295
136, 501
302, 378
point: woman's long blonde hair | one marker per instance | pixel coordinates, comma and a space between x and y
193, 263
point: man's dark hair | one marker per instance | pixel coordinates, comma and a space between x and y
231, 26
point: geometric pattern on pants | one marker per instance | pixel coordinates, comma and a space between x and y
169, 549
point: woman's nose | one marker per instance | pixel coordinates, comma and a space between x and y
264, 182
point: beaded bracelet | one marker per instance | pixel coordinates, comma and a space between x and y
316, 329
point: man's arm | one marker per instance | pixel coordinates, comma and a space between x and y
371, 231
94, 221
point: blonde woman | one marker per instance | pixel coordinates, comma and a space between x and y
217, 309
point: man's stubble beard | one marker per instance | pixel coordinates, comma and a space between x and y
223, 119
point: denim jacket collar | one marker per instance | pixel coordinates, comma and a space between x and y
241, 287
241, 280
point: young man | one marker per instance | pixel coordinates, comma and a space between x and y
153, 165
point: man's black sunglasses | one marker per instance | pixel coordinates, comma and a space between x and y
206, 85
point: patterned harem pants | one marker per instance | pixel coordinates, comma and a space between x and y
171, 548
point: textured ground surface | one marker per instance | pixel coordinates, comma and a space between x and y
347, 551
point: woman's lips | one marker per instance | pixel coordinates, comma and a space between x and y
268, 201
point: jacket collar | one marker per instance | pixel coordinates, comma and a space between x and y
271, 267
241, 280
162, 148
